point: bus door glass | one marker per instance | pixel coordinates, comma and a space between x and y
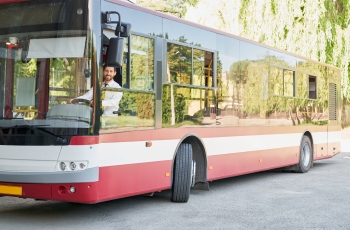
135, 78
188, 95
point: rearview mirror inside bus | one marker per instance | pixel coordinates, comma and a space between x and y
115, 52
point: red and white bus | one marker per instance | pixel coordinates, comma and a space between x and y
198, 104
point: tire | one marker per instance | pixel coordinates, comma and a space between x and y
305, 155
182, 175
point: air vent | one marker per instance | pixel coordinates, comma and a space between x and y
332, 106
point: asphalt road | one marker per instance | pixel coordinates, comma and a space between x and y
319, 199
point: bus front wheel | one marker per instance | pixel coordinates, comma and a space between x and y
182, 175
305, 155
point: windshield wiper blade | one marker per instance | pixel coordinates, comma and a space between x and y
42, 131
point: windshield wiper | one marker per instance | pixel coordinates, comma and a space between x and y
42, 131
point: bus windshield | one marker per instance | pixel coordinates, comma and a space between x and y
44, 62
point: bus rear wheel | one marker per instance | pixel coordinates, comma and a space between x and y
305, 155
182, 175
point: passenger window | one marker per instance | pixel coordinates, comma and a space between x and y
142, 59
312, 87
282, 81
189, 66
179, 64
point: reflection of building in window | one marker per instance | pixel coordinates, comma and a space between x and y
312, 87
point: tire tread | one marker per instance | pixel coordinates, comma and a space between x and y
182, 174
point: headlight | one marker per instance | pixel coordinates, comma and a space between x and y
72, 165
82, 165
63, 166
72, 189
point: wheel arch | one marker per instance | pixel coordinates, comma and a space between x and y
198, 154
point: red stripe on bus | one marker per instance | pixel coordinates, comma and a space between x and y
133, 179
228, 165
84, 140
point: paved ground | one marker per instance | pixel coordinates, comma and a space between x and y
319, 199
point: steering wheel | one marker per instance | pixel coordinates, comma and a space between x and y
81, 101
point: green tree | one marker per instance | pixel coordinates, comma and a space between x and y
176, 8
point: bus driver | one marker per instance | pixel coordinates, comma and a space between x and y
110, 103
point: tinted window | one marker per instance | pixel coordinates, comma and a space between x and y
281, 59
251, 52
179, 63
196, 36
142, 59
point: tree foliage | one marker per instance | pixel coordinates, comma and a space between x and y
176, 8
318, 30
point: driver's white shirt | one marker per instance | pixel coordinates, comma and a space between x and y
111, 100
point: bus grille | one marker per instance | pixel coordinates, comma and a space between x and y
332, 102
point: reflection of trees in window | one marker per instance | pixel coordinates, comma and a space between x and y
301, 85
222, 83
198, 67
142, 59
254, 91
276, 81
66, 79
137, 103
191, 105
288, 83
25, 69
282, 82
180, 64
249, 82
136, 110
189, 65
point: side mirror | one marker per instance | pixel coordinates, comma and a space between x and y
124, 30
115, 52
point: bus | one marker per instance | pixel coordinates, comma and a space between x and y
197, 105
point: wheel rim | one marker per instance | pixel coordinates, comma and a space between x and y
306, 155
193, 173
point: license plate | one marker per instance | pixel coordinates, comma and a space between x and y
11, 190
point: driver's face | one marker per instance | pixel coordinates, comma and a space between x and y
108, 74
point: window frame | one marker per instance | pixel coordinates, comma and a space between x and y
284, 69
214, 83
128, 62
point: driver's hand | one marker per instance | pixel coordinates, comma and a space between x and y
70, 101
91, 102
